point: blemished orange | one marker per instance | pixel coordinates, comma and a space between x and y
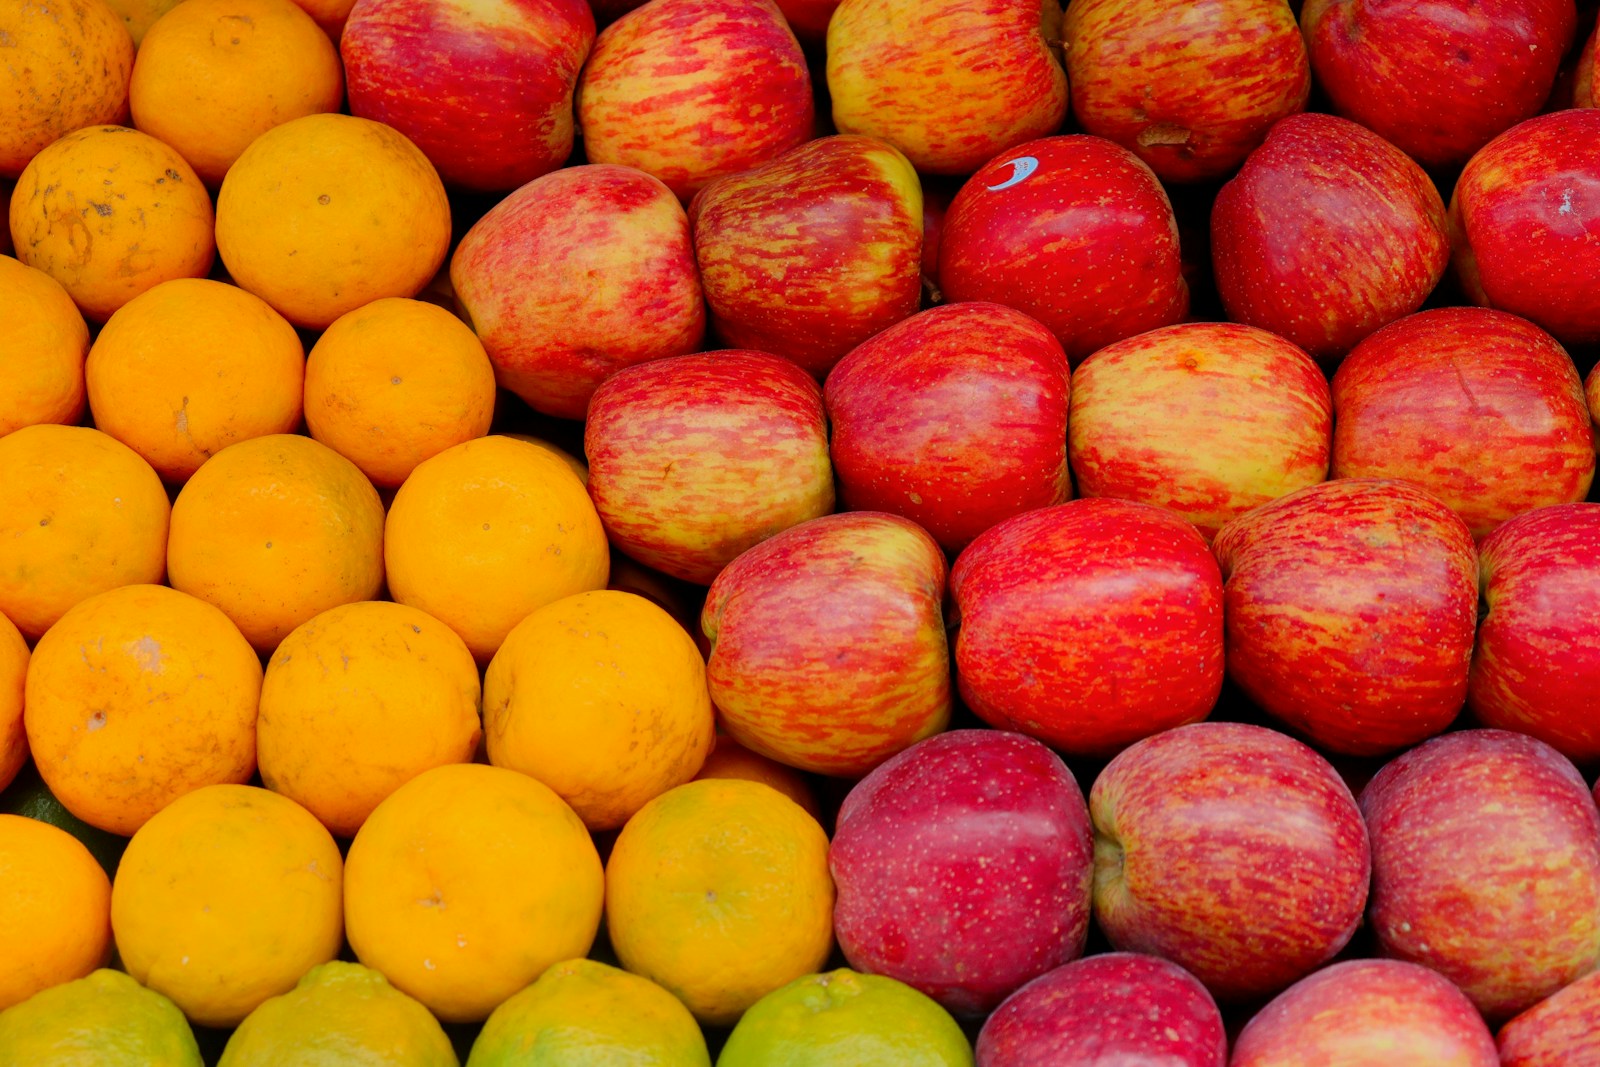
729, 759
140, 15
80, 513
274, 531
137, 697
396, 382
225, 899
213, 75
487, 532
719, 891
602, 697
55, 909
466, 883
79, 58
360, 700
329, 212
110, 212
13, 678
188, 368
43, 343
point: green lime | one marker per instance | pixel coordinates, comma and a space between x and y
28, 796
103, 1020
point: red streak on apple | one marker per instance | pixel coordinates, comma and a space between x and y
1562, 1030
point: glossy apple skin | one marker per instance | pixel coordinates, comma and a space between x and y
484, 89
690, 90
1350, 609
955, 418
811, 254
963, 868
1562, 1030
1367, 1013
1440, 79
1207, 419
1326, 234
828, 649
1089, 625
1486, 866
696, 458
1234, 851
1119, 1009
904, 71
1086, 242
525, 277
1190, 85
1482, 409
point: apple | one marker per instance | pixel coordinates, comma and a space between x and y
1190, 85
828, 649
1367, 1013
1119, 1009
1582, 74
955, 418
1235, 852
1563, 1030
693, 459
1482, 409
1207, 419
1592, 393
1439, 79
962, 867
948, 82
1072, 230
812, 253
808, 18
575, 276
690, 90
1089, 625
1486, 866
1326, 234
1350, 609
936, 197
485, 89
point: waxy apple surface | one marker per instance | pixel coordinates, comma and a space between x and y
1562, 1030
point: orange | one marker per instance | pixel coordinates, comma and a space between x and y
719, 890
55, 909
360, 700
137, 697
110, 212
729, 759
602, 697
213, 75
329, 212
5, 202
225, 899
104, 1020
329, 14
68, 67
80, 513
43, 342
466, 884
396, 382
488, 531
574, 463
275, 530
140, 15
191, 366
13, 679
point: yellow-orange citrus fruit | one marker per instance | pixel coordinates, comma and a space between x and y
140, 15
213, 75
729, 759
468, 882
275, 530
329, 212
104, 1020
186, 369
360, 700
110, 212
43, 342
55, 909
396, 382
80, 513
13, 680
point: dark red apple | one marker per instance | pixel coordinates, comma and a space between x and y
1563, 1030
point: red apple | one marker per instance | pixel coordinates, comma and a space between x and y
1582, 77
1592, 393
1350, 609
1482, 409
1089, 625
1208, 419
1562, 1030
935, 206
1486, 866
1438, 79
1233, 851
1072, 230
828, 648
808, 18
1190, 85
962, 867
1120, 1009
575, 276
956, 418
809, 255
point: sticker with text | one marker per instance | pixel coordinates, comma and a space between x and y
1021, 167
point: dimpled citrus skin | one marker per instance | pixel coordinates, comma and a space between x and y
140, 15
104, 1019
13, 677
43, 342
54, 909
